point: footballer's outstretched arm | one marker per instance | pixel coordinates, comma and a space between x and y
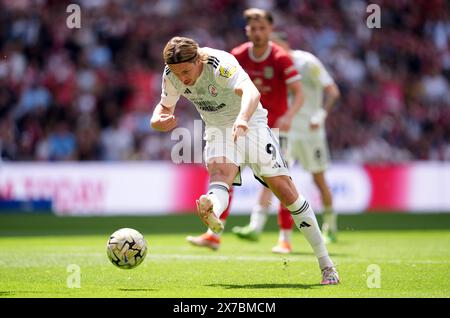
163, 118
285, 121
298, 98
332, 94
250, 101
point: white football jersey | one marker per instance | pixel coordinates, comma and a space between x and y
314, 78
213, 93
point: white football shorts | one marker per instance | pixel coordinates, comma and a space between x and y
259, 149
311, 151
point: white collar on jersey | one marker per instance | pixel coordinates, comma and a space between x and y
263, 57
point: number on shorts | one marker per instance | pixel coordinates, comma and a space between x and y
271, 150
318, 154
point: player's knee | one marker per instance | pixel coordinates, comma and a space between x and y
288, 195
285, 189
217, 174
221, 173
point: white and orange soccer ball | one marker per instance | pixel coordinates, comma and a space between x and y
126, 248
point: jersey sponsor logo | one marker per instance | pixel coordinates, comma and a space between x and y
212, 90
258, 83
253, 73
209, 106
268, 72
263, 89
227, 71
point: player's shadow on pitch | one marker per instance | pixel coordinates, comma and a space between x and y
13, 292
6, 293
264, 286
312, 254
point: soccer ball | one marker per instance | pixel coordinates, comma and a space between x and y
126, 248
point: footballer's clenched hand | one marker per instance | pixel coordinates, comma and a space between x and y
163, 122
240, 128
284, 123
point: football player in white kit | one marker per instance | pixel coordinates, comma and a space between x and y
307, 139
236, 135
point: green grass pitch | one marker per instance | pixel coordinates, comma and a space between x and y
412, 253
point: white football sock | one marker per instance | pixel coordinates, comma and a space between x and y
325, 220
306, 222
285, 236
258, 218
218, 193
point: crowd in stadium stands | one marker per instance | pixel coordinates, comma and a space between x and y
87, 94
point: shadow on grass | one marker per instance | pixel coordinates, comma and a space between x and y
312, 254
23, 224
137, 289
265, 286
13, 292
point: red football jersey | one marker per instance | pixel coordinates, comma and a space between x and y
270, 73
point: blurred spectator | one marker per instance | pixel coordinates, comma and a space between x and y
61, 143
116, 141
435, 86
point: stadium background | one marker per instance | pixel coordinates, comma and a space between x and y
84, 95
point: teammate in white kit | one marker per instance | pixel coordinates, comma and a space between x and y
236, 135
307, 139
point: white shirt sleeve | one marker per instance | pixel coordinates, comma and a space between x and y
230, 74
169, 94
321, 74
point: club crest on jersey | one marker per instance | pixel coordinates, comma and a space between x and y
212, 90
268, 72
227, 72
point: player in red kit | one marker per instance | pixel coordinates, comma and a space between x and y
274, 74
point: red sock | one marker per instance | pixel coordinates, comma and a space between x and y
285, 220
225, 213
